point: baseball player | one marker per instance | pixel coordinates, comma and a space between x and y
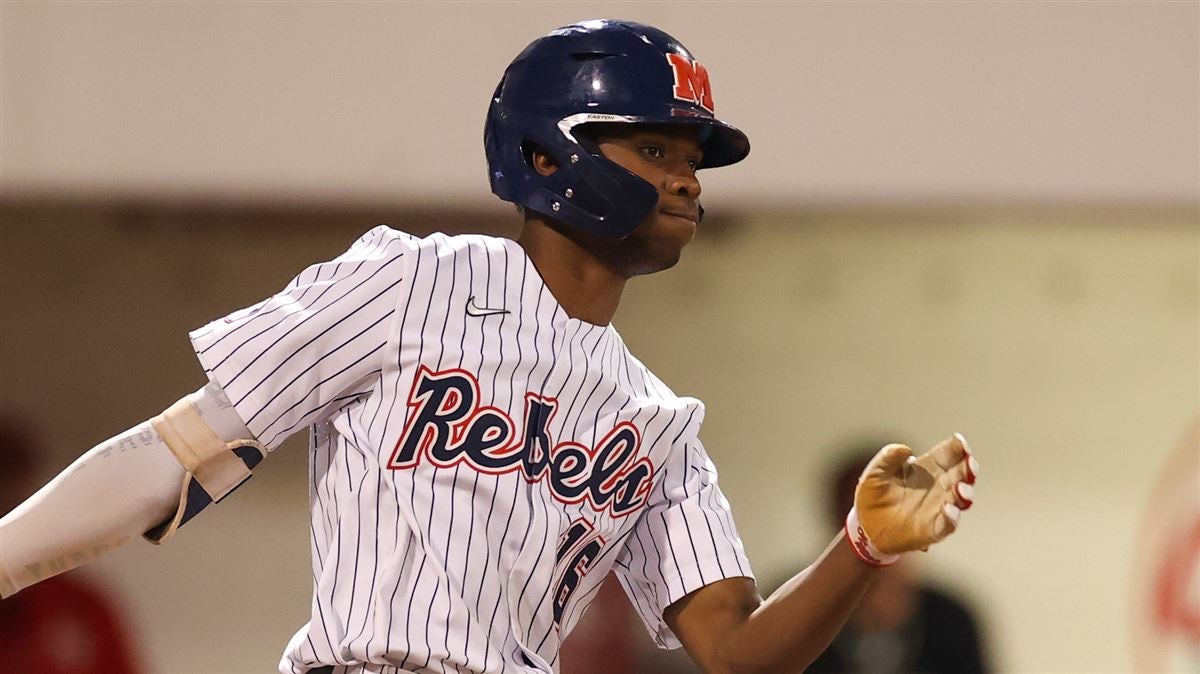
484, 448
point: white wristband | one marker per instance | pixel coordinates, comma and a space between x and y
862, 545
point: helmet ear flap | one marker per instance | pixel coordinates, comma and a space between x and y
591, 183
588, 191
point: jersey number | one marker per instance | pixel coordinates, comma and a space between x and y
577, 549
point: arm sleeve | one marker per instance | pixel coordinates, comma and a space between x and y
126, 486
315, 345
685, 539
107, 497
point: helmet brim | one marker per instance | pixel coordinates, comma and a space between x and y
724, 146
721, 143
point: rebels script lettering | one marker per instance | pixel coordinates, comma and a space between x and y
446, 426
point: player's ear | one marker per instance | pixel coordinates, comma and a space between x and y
540, 160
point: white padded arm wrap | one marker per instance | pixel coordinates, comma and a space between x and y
201, 452
213, 445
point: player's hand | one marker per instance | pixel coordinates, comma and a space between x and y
905, 502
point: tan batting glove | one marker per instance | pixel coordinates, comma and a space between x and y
905, 502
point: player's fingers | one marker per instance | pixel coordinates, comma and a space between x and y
965, 470
948, 453
891, 459
946, 521
964, 495
952, 482
972, 464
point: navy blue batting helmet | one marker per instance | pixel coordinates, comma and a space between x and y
588, 72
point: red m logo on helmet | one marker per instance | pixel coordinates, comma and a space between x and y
691, 81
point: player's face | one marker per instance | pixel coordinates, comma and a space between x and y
666, 156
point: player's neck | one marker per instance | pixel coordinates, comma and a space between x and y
585, 287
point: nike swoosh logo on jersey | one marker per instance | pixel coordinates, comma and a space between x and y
476, 310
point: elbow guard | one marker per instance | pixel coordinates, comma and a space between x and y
215, 467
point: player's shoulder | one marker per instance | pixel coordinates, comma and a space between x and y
648, 385
383, 234
381, 241
444, 245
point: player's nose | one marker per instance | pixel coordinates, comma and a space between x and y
684, 185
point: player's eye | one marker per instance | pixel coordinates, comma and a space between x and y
653, 151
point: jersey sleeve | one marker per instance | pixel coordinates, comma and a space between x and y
684, 540
315, 345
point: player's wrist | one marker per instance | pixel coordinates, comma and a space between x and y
861, 543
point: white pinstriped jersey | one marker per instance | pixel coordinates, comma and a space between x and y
479, 460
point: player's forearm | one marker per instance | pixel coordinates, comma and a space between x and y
796, 623
108, 496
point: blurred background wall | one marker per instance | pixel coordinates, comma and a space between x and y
977, 216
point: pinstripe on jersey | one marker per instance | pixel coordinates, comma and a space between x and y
473, 478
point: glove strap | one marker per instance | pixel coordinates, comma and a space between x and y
862, 545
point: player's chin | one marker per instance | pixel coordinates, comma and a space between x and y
672, 234
657, 244
662, 255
